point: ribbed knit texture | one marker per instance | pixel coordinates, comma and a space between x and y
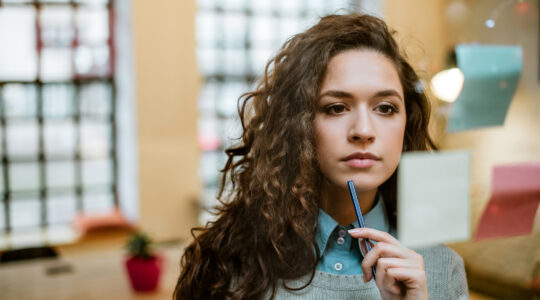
444, 271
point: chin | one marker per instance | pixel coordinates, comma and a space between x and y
361, 183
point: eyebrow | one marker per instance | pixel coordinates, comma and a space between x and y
342, 94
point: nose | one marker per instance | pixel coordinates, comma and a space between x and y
361, 128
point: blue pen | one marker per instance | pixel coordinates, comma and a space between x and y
359, 217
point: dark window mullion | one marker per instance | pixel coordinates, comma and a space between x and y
41, 159
113, 151
78, 146
5, 161
113, 124
40, 119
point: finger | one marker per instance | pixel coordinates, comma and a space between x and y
373, 234
380, 279
412, 278
382, 250
363, 246
400, 275
392, 286
392, 262
387, 284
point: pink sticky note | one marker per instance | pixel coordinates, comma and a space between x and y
515, 195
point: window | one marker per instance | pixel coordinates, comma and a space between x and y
57, 117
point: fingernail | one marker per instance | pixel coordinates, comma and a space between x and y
354, 230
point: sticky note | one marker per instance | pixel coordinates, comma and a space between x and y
512, 207
433, 198
491, 75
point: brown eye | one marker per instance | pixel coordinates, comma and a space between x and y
387, 109
335, 109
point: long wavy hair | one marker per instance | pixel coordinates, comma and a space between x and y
264, 233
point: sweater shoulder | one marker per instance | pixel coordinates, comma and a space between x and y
440, 254
445, 273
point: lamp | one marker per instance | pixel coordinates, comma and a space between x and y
448, 83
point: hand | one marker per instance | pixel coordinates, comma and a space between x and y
400, 271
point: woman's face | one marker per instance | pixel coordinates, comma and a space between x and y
360, 120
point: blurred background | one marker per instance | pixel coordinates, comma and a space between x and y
114, 116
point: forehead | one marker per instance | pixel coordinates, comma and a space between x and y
355, 68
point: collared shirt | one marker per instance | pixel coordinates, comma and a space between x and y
340, 253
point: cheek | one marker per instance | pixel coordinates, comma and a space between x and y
323, 136
394, 138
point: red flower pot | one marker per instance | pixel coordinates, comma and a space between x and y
144, 272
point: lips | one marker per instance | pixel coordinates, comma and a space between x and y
362, 155
361, 159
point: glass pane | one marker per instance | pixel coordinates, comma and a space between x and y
208, 167
233, 4
262, 6
2, 218
56, 64
207, 61
95, 139
209, 4
97, 172
57, 29
235, 62
93, 2
96, 99
24, 213
291, 8
259, 59
340, 6
2, 190
22, 138
209, 197
18, 56
230, 131
60, 174
262, 32
227, 104
307, 22
318, 7
20, 100
206, 27
289, 27
92, 61
61, 208
93, 25
24, 176
17, 1
208, 134
207, 97
58, 100
235, 25
59, 138
96, 203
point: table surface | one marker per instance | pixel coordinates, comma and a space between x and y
99, 274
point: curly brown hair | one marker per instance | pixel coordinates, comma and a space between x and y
265, 227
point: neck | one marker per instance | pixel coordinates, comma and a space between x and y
336, 202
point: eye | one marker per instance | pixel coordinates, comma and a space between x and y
334, 109
387, 109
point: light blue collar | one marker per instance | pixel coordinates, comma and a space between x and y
376, 218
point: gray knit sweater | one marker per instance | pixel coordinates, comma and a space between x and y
444, 271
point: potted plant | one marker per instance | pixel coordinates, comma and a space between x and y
143, 266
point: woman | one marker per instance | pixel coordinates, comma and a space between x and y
339, 102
